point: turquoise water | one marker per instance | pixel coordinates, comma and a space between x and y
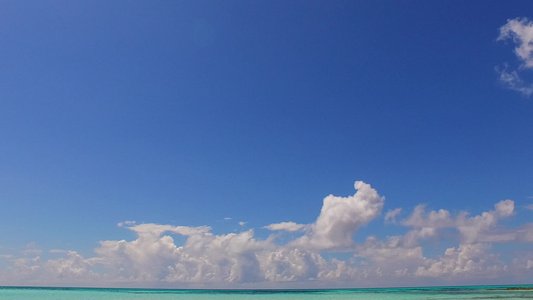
434, 293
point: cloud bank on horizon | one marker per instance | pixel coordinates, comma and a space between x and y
520, 31
154, 258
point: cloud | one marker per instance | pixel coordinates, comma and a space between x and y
513, 81
203, 258
392, 255
325, 255
469, 259
390, 216
150, 230
71, 267
530, 207
472, 229
340, 218
126, 223
242, 223
31, 249
287, 226
58, 251
520, 31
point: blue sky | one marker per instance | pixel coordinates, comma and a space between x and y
205, 113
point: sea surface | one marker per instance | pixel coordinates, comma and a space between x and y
436, 293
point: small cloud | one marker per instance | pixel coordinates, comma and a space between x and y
58, 251
126, 223
511, 80
31, 249
530, 207
287, 226
242, 223
226, 219
520, 31
390, 217
6, 256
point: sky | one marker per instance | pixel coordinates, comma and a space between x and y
266, 144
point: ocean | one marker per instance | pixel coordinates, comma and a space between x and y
437, 293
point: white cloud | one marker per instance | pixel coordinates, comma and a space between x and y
150, 230
513, 81
520, 30
472, 229
286, 264
393, 256
340, 218
153, 258
203, 258
242, 223
74, 266
467, 259
58, 251
126, 223
525, 233
390, 216
287, 226
530, 207
31, 249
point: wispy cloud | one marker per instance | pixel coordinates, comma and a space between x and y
31, 249
58, 251
520, 31
126, 223
390, 216
512, 80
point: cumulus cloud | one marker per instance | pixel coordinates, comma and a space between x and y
203, 258
153, 258
340, 218
392, 255
469, 259
403, 255
520, 31
472, 229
